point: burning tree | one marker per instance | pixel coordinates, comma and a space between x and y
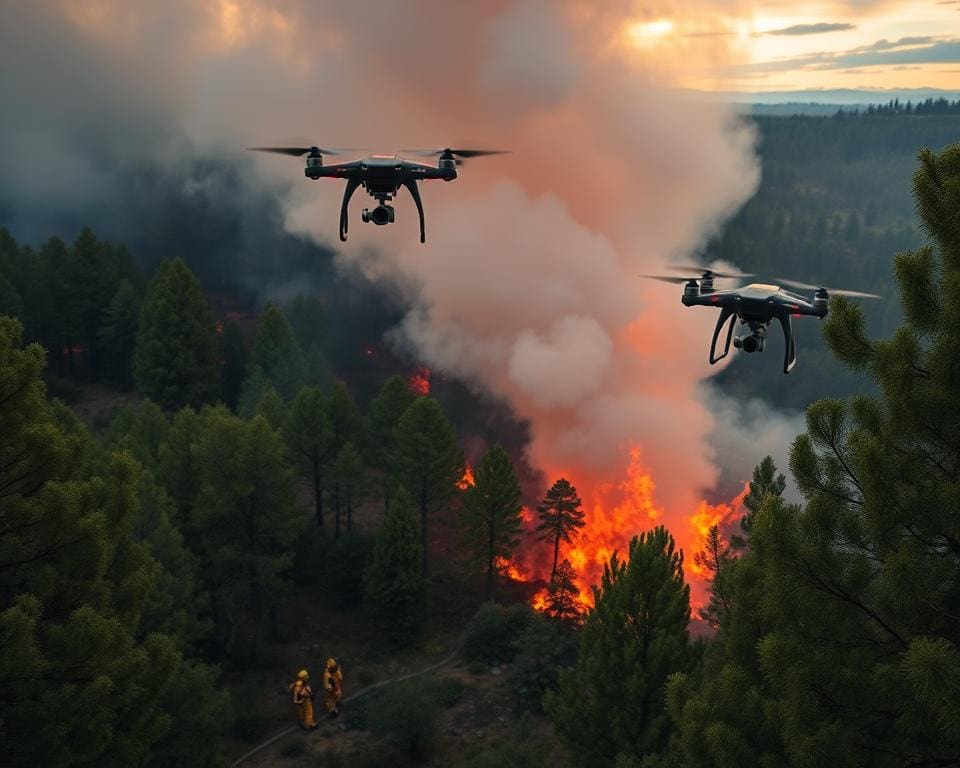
563, 604
491, 513
561, 514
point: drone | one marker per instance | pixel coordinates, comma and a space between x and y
756, 306
382, 176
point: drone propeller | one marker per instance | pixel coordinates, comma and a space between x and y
298, 151
706, 271
834, 291
669, 278
459, 154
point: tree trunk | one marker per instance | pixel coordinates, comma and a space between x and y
317, 490
349, 513
489, 593
556, 555
336, 510
423, 522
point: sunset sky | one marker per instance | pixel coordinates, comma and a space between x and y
809, 45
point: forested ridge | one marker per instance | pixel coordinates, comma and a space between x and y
266, 503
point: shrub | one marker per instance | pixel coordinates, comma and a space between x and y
406, 714
492, 632
542, 650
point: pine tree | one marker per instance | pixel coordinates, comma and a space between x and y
343, 417
429, 461
247, 523
233, 353
72, 584
563, 604
765, 480
394, 589
715, 559
175, 362
118, 335
561, 514
349, 485
611, 703
276, 353
272, 408
491, 514
311, 443
383, 414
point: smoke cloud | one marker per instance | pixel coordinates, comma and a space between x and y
527, 289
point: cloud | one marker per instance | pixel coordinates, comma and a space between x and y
811, 29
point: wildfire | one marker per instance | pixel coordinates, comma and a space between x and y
615, 513
419, 382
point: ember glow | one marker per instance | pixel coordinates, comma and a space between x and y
467, 480
419, 382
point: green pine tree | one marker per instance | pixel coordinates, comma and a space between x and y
175, 362
561, 515
311, 443
276, 353
395, 591
611, 703
765, 480
118, 335
715, 559
491, 515
247, 524
233, 353
349, 482
429, 461
383, 414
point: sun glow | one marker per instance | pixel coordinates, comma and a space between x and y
644, 33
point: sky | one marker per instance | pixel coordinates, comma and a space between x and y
775, 46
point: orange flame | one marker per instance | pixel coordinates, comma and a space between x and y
419, 382
467, 480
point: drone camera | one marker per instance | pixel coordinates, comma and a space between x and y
749, 344
382, 214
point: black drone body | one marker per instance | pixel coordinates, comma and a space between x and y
756, 306
381, 176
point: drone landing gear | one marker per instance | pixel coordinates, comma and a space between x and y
411, 185
348, 191
755, 341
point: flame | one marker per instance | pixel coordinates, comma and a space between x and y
615, 513
419, 382
467, 480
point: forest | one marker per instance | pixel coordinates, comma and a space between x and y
202, 491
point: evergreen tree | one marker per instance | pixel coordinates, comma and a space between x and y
715, 559
118, 335
765, 480
311, 443
247, 524
180, 467
349, 484
561, 514
611, 703
233, 353
395, 591
343, 417
429, 461
276, 353
77, 684
491, 514
175, 362
563, 604
272, 408
383, 414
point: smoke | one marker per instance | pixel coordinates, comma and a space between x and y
527, 289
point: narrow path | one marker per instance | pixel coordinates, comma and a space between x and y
362, 692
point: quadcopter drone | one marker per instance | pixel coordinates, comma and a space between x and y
756, 306
382, 176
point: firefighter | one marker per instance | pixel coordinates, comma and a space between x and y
303, 699
333, 685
